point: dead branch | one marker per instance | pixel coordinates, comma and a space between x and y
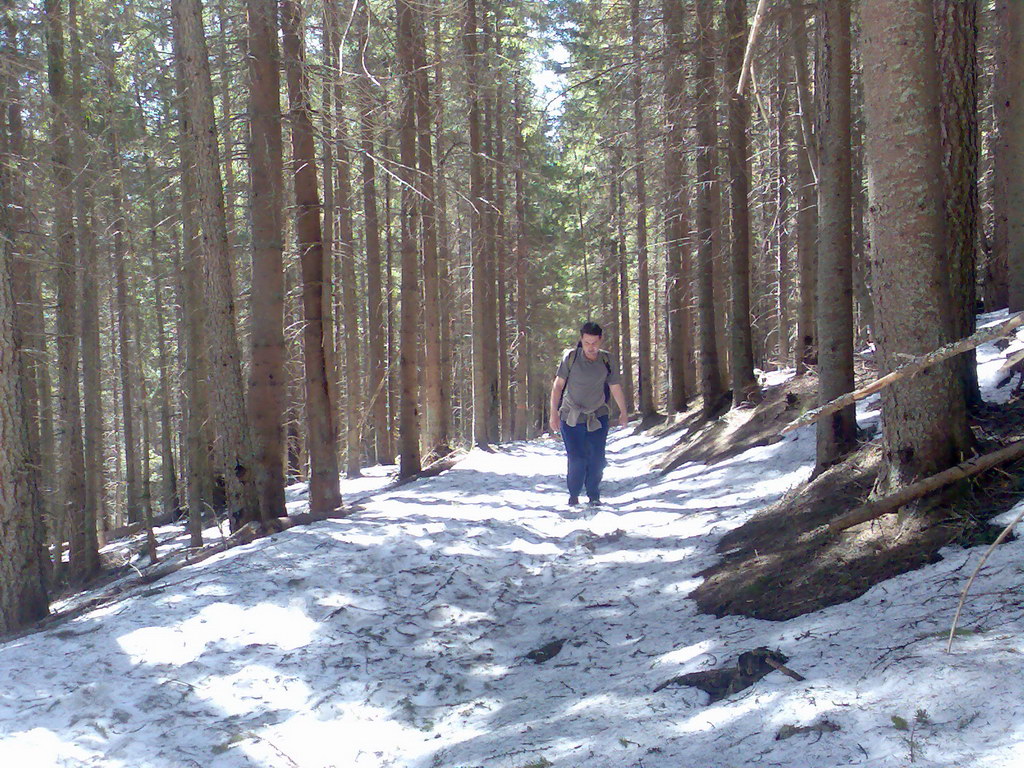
963, 595
748, 56
911, 367
434, 469
784, 669
961, 471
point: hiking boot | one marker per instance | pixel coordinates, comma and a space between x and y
574, 501
595, 501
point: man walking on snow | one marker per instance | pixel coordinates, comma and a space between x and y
579, 409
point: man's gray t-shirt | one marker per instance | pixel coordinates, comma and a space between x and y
584, 390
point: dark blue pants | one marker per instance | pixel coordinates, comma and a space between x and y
585, 451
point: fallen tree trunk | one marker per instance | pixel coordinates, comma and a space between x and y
961, 471
911, 367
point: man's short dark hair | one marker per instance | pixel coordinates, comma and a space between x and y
590, 328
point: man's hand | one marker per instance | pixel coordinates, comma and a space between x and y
553, 422
623, 419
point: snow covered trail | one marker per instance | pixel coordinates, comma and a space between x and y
398, 637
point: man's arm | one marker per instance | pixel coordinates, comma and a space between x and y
620, 400
556, 391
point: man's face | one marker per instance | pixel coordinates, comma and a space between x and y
591, 346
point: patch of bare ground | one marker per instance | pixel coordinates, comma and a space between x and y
785, 562
711, 440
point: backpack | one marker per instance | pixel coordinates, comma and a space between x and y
571, 359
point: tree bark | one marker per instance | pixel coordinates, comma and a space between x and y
125, 341
23, 594
644, 358
347, 267
169, 483
84, 555
28, 315
196, 402
520, 390
85, 171
481, 376
956, 40
409, 339
330, 214
677, 225
322, 434
741, 357
807, 211
923, 418
625, 333
231, 425
711, 388
382, 450
435, 438
444, 256
1009, 150
267, 389
782, 218
488, 328
836, 435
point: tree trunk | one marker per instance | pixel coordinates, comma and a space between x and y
501, 236
125, 342
680, 363
741, 357
1009, 150
836, 435
231, 425
444, 256
864, 333
488, 328
267, 388
92, 390
625, 335
956, 40
435, 438
644, 381
168, 477
807, 211
707, 211
782, 102
322, 434
382, 451
28, 315
330, 215
227, 122
923, 418
520, 391
84, 556
196, 403
409, 338
347, 269
481, 377
23, 597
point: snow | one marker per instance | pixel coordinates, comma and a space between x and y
398, 636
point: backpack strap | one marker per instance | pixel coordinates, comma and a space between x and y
570, 358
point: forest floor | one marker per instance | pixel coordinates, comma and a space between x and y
784, 562
472, 620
